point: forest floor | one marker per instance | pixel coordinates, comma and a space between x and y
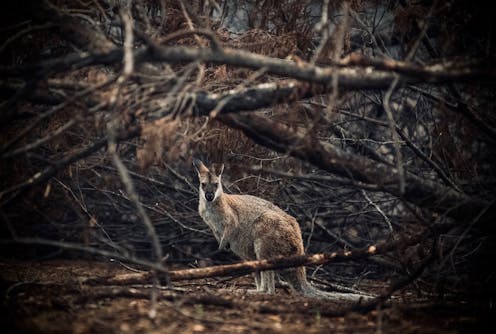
48, 297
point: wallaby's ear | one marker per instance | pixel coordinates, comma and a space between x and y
199, 166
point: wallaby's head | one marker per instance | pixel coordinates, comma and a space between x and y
210, 183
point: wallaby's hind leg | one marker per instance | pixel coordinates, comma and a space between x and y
296, 278
279, 235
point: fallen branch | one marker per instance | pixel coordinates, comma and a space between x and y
246, 267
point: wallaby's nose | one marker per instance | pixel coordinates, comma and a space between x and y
209, 196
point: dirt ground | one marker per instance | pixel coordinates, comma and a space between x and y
48, 297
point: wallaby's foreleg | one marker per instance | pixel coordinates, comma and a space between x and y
258, 281
267, 283
226, 236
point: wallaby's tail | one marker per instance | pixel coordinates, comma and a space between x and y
296, 277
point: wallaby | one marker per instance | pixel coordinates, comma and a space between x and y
254, 229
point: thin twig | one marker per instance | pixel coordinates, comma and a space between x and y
49, 171
321, 178
88, 250
55, 109
377, 207
42, 140
121, 168
215, 44
392, 126
409, 143
24, 32
398, 284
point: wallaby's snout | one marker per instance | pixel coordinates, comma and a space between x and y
209, 196
209, 189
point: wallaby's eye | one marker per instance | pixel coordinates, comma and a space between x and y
203, 184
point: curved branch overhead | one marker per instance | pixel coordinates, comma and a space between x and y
356, 73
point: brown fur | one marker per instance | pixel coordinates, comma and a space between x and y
253, 228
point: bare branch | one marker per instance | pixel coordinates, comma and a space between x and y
215, 44
12, 192
348, 77
422, 192
247, 267
392, 126
41, 141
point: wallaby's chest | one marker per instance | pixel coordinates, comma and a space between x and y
213, 217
